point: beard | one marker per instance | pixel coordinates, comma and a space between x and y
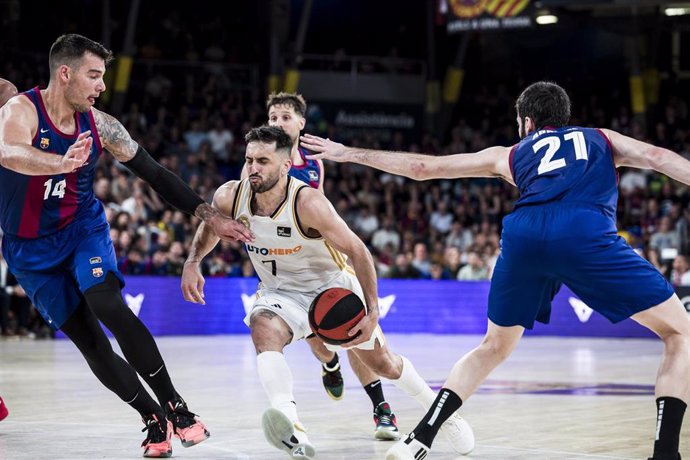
71, 95
265, 184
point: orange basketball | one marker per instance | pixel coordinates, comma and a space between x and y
333, 313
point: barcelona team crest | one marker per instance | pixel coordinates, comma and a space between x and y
97, 272
313, 176
244, 220
45, 143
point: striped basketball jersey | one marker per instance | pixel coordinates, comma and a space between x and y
308, 172
566, 165
283, 255
36, 206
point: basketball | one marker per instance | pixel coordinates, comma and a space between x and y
334, 312
7, 90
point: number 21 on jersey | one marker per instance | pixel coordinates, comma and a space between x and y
552, 144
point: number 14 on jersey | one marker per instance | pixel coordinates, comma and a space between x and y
58, 190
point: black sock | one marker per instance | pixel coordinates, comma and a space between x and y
446, 403
375, 392
670, 413
143, 403
331, 365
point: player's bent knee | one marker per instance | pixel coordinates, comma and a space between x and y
497, 348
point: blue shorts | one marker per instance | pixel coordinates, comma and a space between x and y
55, 270
543, 247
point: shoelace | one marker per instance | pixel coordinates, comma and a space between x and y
155, 432
182, 417
385, 420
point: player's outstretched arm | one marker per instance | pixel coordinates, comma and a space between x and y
317, 214
18, 124
192, 282
637, 154
174, 190
491, 162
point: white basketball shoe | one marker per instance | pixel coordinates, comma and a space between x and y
287, 436
459, 433
407, 449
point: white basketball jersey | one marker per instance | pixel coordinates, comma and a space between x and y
282, 255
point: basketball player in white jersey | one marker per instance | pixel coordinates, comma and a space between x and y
301, 249
288, 111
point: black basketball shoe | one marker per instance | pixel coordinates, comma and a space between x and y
386, 428
333, 381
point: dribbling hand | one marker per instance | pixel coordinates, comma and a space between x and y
325, 149
192, 283
77, 154
366, 326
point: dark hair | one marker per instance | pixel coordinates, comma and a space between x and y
268, 135
294, 100
545, 103
69, 48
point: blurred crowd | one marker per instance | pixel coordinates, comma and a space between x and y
444, 229
447, 229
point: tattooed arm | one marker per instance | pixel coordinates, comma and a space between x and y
115, 138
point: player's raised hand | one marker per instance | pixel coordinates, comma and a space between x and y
324, 149
77, 154
192, 283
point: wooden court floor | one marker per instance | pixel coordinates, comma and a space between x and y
555, 398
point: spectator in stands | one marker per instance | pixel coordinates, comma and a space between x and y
441, 219
403, 269
366, 222
665, 239
386, 235
420, 259
13, 300
452, 261
680, 275
475, 269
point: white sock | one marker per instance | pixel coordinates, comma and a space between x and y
414, 385
276, 378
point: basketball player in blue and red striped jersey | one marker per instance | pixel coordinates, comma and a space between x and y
56, 238
562, 230
288, 111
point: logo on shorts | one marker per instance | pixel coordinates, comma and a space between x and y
284, 231
313, 176
45, 142
244, 220
95, 260
97, 272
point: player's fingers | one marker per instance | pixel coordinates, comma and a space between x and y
83, 135
189, 294
201, 284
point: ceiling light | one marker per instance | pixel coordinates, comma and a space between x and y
544, 19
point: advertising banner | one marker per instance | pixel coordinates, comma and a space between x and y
407, 306
470, 15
